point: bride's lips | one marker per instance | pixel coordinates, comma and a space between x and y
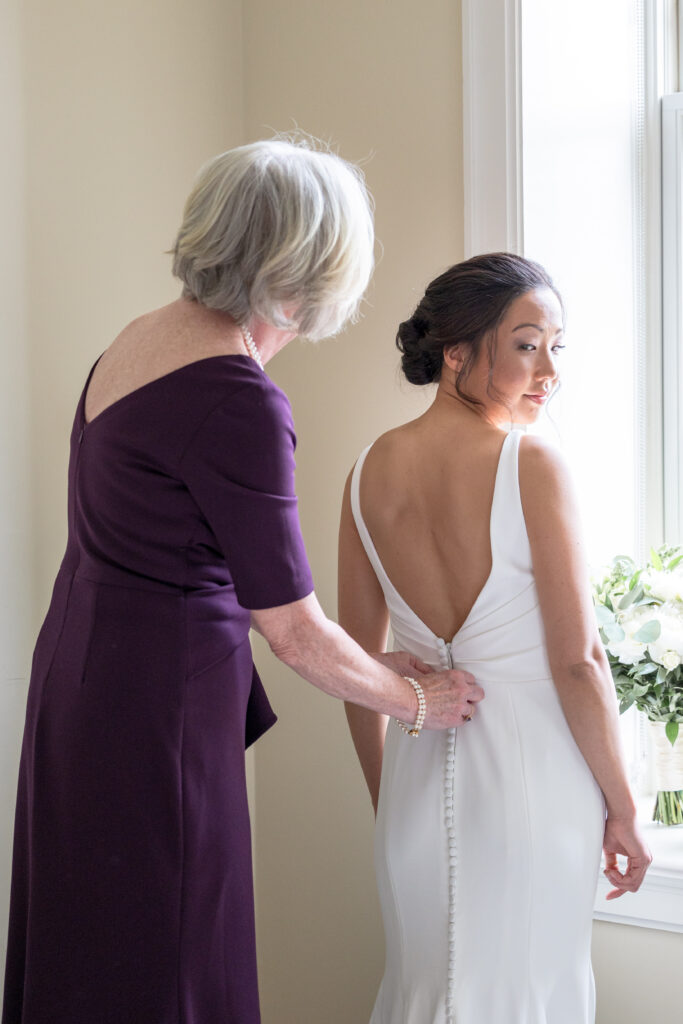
538, 399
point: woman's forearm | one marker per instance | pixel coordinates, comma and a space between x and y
323, 654
586, 692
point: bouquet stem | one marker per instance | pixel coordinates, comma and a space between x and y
669, 807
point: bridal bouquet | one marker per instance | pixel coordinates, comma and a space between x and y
640, 615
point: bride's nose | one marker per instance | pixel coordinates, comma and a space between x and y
546, 373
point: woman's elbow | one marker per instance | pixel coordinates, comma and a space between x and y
589, 669
293, 641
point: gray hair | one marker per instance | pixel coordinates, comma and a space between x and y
278, 225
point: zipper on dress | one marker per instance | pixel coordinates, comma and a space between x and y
452, 858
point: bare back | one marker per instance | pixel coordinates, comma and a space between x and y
155, 344
426, 499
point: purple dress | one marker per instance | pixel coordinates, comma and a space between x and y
131, 898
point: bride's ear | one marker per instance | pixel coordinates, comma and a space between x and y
453, 357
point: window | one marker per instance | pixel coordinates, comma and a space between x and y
563, 161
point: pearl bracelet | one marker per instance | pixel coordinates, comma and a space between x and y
421, 710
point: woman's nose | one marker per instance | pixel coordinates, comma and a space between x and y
547, 369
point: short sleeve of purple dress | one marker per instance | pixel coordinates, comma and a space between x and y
131, 898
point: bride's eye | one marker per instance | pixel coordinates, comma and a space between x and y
526, 346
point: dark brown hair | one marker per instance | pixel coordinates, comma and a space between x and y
464, 306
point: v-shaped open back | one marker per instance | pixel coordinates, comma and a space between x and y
394, 600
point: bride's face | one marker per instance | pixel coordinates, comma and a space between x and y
526, 358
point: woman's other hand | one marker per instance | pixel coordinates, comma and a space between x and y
623, 837
404, 663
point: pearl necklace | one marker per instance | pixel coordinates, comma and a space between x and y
251, 345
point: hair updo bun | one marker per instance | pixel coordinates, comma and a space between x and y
464, 306
420, 365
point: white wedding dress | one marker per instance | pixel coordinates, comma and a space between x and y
488, 837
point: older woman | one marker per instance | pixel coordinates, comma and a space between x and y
131, 890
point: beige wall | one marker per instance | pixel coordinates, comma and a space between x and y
121, 103
16, 535
638, 974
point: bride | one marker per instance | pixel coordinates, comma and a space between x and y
460, 533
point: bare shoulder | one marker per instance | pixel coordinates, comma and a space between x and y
541, 465
391, 446
546, 488
536, 454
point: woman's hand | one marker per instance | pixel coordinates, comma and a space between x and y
452, 696
623, 836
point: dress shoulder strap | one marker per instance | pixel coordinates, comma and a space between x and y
508, 526
363, 531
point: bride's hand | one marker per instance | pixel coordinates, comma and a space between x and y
623, 836
452, 696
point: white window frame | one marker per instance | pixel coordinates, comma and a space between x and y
493, 220
672, 304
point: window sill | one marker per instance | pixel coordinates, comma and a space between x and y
659, 902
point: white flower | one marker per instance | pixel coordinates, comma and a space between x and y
670, 660
627, 651
670, 641
667, 586
633, 618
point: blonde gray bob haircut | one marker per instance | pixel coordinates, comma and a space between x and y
279, 230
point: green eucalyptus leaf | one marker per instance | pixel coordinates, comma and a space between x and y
674, 562
613, 632
655, 560
625, 704
649, 632
671, 731
603, 614
646, 668
629, 597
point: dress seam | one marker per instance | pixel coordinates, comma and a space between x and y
399, 919
529, 839
181, 900
171, 589
93, 626
65, 612
192, 676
